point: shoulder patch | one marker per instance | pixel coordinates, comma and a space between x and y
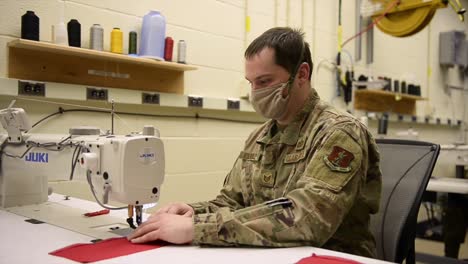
339, 159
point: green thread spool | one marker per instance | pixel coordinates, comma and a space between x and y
132, 43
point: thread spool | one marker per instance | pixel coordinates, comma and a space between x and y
96, 37
396, 86
181, 51
116, 41
30, 26
153, 32
132, 42
168, 48
403, 87
410, 89
388, 86
383, 125
74, 33
59, 34
417, 90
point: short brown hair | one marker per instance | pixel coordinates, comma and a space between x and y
287, 43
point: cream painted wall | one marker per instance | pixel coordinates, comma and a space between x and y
199, 151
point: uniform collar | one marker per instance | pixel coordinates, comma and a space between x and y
291, 132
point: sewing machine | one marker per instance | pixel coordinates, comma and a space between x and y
128, 169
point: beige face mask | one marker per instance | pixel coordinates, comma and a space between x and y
269, 101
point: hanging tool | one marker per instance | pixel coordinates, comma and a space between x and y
402, 18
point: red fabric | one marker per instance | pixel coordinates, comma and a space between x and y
316, 259
106, 249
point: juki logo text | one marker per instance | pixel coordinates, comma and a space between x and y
37, 157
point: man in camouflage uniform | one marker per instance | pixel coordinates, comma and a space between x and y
308, 176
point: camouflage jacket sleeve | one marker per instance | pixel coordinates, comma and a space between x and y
310, 213
229, 197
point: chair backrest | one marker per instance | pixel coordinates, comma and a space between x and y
406, 168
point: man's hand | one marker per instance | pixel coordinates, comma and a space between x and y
175, 208
176, 229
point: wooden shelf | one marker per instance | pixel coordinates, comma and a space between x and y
384, 101
44, 61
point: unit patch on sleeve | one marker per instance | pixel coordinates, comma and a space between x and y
339, 159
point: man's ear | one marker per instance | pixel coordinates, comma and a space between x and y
303, 72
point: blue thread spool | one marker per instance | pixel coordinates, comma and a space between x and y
153, 32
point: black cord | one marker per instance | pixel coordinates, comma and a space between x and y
60, 111
74, 160
72, 163
197, 116
384, 216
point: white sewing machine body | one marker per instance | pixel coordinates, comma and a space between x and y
124, 168
132, 166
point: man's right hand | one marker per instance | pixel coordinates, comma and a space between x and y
176, 208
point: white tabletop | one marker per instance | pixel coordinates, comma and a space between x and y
22, 242
448, 185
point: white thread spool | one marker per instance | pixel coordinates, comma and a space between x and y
59, 34
96, 37
181, 51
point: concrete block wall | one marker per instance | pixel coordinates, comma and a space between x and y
200, 152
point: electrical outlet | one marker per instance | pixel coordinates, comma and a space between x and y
148, 98
195, 101
233, 104
96, 94
31, 88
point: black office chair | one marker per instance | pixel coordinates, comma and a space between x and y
406, 168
